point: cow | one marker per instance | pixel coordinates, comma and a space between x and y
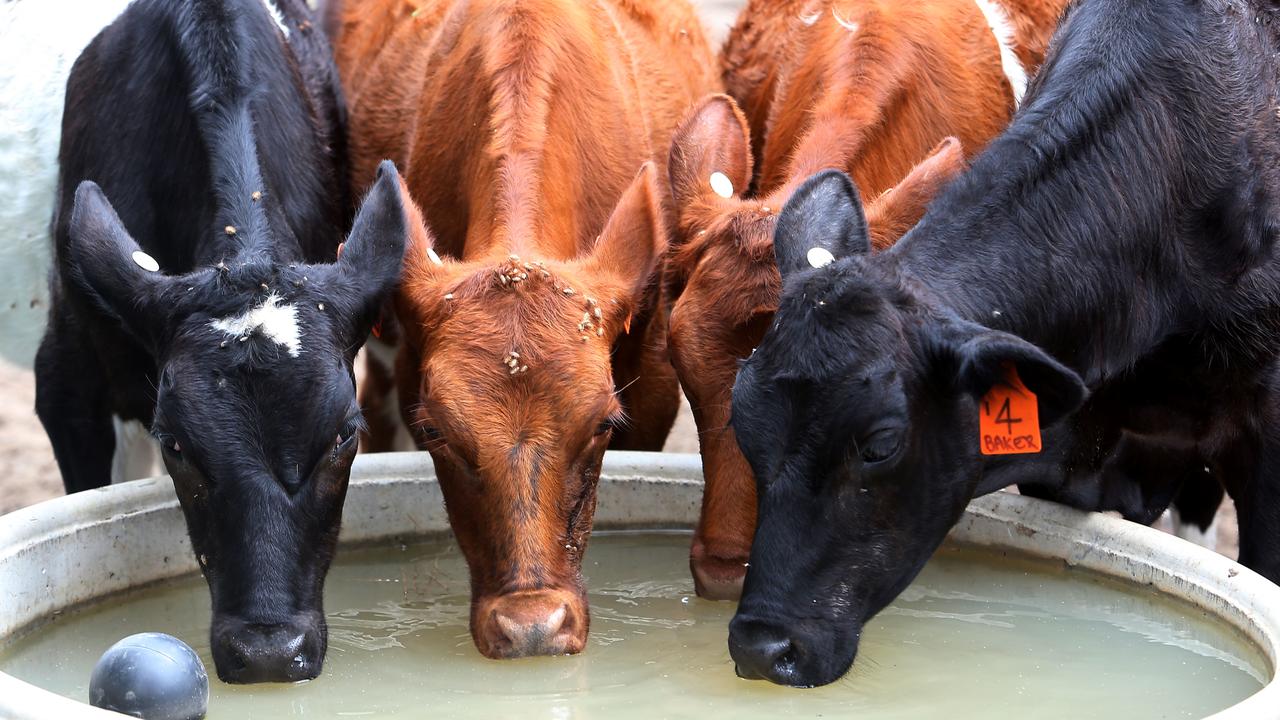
200, 207
868, 88
1119, 238
532, 135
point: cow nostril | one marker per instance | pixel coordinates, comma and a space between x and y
522, 634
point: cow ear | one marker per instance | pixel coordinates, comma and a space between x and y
634, 237
820, 223
710, 154
980, 358
368, 267
899, 208
107, 265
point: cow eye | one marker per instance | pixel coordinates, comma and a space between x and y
880, 446
170, 445
604, 427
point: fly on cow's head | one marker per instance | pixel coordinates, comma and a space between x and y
858, 415
255, 408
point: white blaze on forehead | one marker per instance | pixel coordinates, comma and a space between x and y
820, 257
145, 261
277, 322
721, 184
276, 15
1002, 27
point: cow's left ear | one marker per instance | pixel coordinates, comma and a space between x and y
107, 265
368, 267
821, 222
634, 238
979, 357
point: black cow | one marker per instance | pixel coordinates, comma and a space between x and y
218, 141
1120, 237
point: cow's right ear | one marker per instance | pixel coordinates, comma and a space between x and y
977, 358
822, 222
107, 265
710, 154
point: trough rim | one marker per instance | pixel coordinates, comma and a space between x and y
654, 484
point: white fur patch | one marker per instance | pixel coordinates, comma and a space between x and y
721, 184
1191, 533
137, 454
811, 18
849, 25
820, 257
1002, 27
279, 323
277, 16
434, 257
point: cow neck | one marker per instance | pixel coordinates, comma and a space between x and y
221, 90
1031, 241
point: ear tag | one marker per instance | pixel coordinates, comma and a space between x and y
1009, 418
820, 257
722, 185
340, 246
145, 261
434, 257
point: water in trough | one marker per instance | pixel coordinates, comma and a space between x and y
977, 635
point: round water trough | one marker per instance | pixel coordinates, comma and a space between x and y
72, 550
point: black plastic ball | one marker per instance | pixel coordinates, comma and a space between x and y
153, 676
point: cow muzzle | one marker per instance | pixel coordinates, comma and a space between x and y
260, 653
528, 623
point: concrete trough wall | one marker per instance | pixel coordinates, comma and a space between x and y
68, 551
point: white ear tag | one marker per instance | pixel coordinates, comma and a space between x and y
721, 184
434, 257
820, 257
145, 261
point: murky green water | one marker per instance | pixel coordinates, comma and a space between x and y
975, 636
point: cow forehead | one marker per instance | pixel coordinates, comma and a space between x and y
272, 319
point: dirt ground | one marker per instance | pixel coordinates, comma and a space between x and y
28, 473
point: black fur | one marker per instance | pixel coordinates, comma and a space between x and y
1120, 236
195, 132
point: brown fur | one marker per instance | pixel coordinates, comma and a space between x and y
520, 126
898, 104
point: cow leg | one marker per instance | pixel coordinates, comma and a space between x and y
1248, 463
380, 399
72, 404
647, 388
1195, 509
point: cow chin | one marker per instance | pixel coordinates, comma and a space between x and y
794, 652
530, 622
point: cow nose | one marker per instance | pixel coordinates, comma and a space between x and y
269, 653
762, 651
530, 623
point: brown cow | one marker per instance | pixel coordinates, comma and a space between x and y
533, 317
869, 87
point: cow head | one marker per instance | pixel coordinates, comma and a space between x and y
723, 269
506, 379
858, 414
255, 410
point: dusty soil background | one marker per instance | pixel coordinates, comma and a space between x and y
28, 473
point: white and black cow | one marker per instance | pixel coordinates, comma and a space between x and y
1119, 241
199, 210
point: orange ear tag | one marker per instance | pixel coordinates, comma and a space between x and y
1009, 418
